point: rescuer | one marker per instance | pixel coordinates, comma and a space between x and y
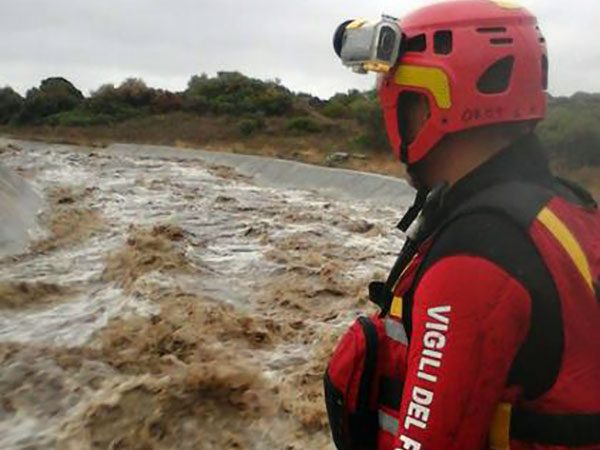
495, 296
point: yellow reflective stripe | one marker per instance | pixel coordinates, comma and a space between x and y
431, 78
507, 4
377, 67
356, 24
396, 309
562, 234
500, 430
408, 266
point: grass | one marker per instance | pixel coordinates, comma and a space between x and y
274, 138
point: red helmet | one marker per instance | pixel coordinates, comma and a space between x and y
478, 62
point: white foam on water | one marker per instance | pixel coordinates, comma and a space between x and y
231, 226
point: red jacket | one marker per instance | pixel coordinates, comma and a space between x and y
502, 309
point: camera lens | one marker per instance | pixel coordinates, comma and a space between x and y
387, 42
340, 36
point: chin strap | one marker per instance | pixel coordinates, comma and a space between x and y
414, 211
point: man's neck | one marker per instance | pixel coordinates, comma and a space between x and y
459, 155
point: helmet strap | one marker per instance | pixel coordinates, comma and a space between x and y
404, 150
426, 208
414, 211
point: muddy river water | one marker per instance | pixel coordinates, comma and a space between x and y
171, 303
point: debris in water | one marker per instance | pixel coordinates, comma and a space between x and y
146, 250
69, 220
23, 294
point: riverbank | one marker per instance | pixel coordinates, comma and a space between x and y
218, 134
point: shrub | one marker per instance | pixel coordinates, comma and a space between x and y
335, 110
110, 104
54, 95
197, 104
232, 93
78, 118
303, 125
134, 92
104, 100
165, 101
131, 98
370, 117
247, 127
340, 105
10, 104
571, 132
362, 142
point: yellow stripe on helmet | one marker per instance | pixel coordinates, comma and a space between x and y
431, 78
562, 234
507, 4
356, 24
378, 67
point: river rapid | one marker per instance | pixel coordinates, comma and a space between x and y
170, 303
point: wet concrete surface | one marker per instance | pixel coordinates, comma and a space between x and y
18, 207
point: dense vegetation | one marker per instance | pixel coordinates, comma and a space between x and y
572, 130
571, 133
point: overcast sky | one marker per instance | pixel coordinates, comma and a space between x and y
91, 42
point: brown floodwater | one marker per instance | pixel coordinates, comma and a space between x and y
168, 303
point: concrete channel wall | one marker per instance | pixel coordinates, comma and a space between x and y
18, 208
338, 183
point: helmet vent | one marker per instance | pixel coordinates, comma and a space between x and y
496, 79
442, 42
416, 44
491, 30
545, 72
542, 39
501, 41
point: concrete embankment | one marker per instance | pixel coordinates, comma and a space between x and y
339, 183
18, 207
19, 202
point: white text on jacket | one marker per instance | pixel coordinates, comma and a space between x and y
434, 341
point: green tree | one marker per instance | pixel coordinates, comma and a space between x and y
371, 119
165, 101
54, 95
345, 106
303, 125
10, 104
130, 99
105, 100
232, 93
571, 132
135, 92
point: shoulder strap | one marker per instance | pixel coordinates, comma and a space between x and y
578, 193
520, 203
